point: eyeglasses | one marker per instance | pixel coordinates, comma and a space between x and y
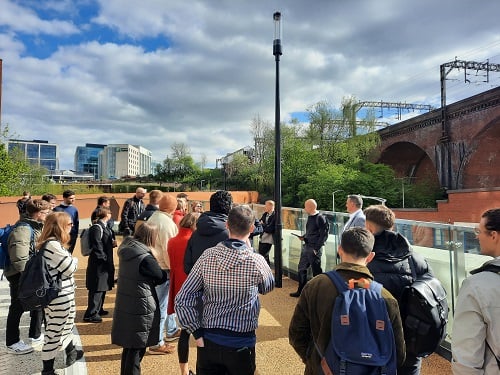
198, 206
478, 231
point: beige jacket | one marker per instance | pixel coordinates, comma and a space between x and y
166, 230
476, 321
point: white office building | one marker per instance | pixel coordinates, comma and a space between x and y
121, 160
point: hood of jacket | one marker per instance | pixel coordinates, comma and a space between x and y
229, 254
131, 248
391, 246
210, 223
492, 264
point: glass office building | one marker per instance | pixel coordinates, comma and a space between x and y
87, 159
38, 152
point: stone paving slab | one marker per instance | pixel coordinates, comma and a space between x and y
31, 363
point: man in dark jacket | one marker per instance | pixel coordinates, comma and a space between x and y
391, 264
153, 205
314, 239
210, 228
268, 221
68, 207
311, 321
132, 208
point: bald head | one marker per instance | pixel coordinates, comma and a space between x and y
140, 192
310, 206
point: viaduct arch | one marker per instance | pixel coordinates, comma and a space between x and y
467, 159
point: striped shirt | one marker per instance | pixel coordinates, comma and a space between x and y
60, 313
228, 279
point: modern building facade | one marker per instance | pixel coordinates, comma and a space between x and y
122, 160
38, 152
87, 159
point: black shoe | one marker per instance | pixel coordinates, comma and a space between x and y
49, 372
296, 294
103, 312
93, 319
73, 356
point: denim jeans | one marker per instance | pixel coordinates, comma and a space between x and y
169, 320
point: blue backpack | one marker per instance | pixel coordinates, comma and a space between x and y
362, 339
4, 243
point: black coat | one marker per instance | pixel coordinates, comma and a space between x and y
210, 230
136, 317
101, 266
391, 264
268, 222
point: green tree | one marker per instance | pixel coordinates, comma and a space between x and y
16, 173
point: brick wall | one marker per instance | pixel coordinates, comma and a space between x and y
87, 202
461, 206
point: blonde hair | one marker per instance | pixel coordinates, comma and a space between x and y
55, 227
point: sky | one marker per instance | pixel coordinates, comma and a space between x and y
158, 72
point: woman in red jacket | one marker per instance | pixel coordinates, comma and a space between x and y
176, 249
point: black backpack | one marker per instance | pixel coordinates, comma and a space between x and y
37, 288
424, 312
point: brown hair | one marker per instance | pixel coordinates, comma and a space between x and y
102, 212
189, 220
381, 216
55, 227
36, 206
146, 234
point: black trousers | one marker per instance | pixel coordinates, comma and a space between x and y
215, 359
264, 249
131, 361
183, 347
16, 311
95, 303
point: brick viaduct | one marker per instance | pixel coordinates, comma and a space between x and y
461, 155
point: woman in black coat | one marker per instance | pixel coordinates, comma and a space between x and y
136, 318
101, 268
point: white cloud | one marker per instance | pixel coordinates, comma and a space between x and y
212, 69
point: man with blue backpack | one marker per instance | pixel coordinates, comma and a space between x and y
344, 321
21, 246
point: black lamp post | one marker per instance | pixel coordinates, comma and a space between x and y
278, 257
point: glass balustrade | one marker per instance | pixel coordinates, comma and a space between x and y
451, 250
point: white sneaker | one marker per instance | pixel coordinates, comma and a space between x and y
37, 341
20, 348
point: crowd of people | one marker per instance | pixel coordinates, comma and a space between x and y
177, 261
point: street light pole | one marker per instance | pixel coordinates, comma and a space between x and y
278, 256
333, 199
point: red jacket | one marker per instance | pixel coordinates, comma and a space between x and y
176, 249
177, 216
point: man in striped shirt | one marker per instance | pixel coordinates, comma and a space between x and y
226, 280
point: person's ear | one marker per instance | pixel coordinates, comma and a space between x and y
340, 251
370, 257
